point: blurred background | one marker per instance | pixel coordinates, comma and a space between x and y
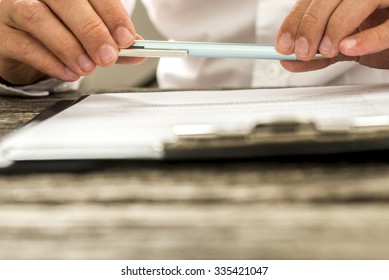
124, 76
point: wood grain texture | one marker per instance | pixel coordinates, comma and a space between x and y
296, 208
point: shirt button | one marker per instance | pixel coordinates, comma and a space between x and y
273, 70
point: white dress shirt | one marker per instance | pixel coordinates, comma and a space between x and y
255, 21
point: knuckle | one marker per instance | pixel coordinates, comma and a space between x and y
337, 20
111, 11
30, 12
94, 27
310, 19
25, 48
66, 47
382, 36
115, 15
294, 16
22, 47
45, 61
298, 10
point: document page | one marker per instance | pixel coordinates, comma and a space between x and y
134, 125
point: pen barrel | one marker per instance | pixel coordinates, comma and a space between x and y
216, 50
240, 52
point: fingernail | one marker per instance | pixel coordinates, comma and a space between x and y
302, 47
325, 46
285, 42
349, 43
108, 54
123, 36
70, 74
86, 64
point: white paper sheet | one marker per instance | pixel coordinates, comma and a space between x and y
131, 125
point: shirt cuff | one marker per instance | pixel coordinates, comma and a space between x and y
42, 88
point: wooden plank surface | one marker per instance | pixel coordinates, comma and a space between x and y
299, 208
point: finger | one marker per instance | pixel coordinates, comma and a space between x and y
117, 20
312, 65
370, 41
312, 27
36, 18
20, 46
132, 60
88, 28
349, 15
289, 28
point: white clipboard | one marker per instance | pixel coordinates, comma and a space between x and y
205, 125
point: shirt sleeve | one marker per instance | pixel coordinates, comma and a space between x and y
42, 88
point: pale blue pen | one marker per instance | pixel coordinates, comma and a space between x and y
149, 48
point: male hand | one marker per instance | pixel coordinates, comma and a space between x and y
61, 39
338, 29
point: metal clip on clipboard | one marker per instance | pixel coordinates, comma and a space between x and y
279, 137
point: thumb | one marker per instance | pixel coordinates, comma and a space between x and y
369, 41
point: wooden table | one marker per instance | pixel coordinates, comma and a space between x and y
301, 208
